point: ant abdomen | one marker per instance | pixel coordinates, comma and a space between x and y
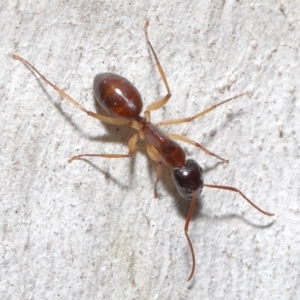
189, 179
118, 96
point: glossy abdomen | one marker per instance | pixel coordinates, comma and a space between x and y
118, 96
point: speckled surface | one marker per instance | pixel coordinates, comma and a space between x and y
93, 230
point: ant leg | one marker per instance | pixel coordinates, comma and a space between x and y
230, 188
182, 138
163, 100
154, 155
103, 118
200, 114
131, 147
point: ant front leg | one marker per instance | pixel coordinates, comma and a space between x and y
163, 100
182, 138
154, 155
131, 147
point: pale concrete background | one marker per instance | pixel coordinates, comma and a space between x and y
92, 230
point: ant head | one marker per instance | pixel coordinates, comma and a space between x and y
188, 179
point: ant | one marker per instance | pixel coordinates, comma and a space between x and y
123, 103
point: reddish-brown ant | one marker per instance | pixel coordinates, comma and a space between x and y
123, 103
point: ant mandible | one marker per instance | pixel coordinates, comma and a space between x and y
123, 102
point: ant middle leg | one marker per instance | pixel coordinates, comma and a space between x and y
163, 100
131, 147
200, 114
182, 138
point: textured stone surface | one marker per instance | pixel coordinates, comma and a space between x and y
93, 230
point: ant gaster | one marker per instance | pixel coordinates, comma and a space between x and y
123, 102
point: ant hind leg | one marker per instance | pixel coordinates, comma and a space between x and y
163, 100
106, 119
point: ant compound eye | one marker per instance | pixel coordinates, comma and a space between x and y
189, 179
